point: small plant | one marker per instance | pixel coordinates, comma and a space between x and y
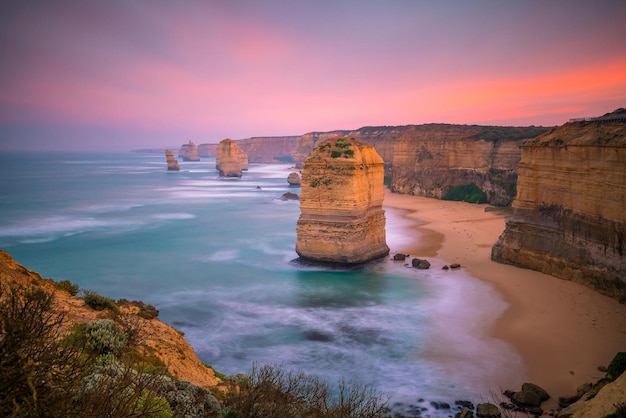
348, 153
335, 154
315, 183
103, 337
68, 286
98, 302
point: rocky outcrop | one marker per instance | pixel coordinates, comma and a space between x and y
342, 220
189, 152
308, 141
269, 150
230, 160
172, 163
569, 215
429, 160
294, 179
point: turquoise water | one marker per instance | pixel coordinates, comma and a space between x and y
216, 257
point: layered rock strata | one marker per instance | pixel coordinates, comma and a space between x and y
570, 212
342, 220
172, 163
429, 160
269, 150
207, 150
189, 152
230, 160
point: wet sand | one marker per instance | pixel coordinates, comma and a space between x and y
562, 330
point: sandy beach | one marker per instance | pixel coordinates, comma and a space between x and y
562, 330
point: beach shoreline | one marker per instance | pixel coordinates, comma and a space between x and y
562, 330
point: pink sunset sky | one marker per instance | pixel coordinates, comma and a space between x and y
118, 75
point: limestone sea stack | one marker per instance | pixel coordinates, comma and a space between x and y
172, 163
341, 219
570, 211
189, 152
230, 160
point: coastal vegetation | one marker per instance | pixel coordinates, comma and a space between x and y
470, 193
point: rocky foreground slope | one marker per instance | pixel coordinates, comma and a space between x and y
570, 212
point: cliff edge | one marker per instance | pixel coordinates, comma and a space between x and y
342, 220
569, 214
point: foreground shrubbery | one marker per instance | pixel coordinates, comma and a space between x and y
271, 391
100, 368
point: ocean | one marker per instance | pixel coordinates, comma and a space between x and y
217, 257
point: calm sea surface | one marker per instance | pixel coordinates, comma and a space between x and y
215, 256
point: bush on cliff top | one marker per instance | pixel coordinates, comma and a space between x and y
470, 193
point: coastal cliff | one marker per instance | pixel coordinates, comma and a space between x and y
230, 160
269, 150
189, 152
429, 160
569, 215
342, 220
207, 150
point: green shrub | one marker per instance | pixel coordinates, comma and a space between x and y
68, 286
467, 193
103, 337
98, 302
348, 153
335, 154
146, 310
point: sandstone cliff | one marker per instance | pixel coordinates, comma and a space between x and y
189, 152
269, 150
159, 338
570, 212
207, 150
230, 160
172, 163
429, 160
342, 220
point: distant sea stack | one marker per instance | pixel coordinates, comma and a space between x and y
189, 152
230, 160
570, 211
172, 163
342, 220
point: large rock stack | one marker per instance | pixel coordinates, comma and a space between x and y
189, 152
342, 220
172, 163
570, 211
230, 160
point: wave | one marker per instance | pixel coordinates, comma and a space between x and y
173, 216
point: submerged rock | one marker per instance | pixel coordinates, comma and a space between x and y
421, 264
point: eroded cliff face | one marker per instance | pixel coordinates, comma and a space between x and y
269, 150
189, 152
172, 163
230, 160
342, 220
207, 150
570, 212
429, 160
